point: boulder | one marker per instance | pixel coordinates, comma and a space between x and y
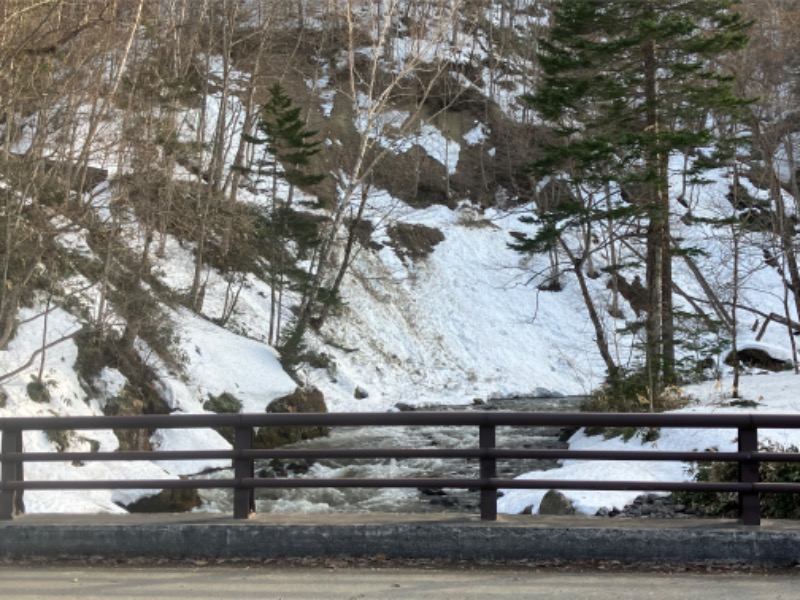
556, 503
758, 358
170, 500
302, 400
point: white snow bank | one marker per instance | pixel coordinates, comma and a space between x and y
219, 361
774, 393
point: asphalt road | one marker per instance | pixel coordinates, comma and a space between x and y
201, 580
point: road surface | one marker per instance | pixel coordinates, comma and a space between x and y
202, 580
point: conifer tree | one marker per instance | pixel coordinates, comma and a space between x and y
288, 147
288, 143
625, 84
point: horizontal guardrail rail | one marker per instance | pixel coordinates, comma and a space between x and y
243, 455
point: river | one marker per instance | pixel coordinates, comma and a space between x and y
395, 500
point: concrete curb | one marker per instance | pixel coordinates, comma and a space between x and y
402, 536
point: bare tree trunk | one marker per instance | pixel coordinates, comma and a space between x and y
599, 331
735, 298
348, 250
612, 254
795, 191
784, 230
658, 325
667, 315
711, 295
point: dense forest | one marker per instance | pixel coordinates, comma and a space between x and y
256, 135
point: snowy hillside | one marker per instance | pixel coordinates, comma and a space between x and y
153, 276
457, 325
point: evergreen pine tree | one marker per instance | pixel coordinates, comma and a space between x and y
288, 143
625, 84
288, 146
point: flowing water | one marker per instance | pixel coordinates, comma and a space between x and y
400, 500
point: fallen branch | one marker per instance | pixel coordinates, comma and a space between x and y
778, 319
37, 352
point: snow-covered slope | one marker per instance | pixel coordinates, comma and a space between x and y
462, 322
458, 324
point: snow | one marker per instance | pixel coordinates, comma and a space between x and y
774, 393
465, 322
476, 135
461, 323
189, 439
220, 361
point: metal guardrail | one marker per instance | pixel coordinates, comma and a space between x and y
242, 456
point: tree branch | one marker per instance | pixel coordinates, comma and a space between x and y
37, 352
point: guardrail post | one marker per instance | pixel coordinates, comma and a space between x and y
243, 498
749, 502
11, 502
488, 470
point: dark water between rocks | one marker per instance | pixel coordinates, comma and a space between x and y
403, 500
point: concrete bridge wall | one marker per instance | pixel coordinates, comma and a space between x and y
402, 536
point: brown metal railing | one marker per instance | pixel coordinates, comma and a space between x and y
242, 456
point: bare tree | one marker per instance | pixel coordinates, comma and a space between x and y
767, 70
376, 76
49, 57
